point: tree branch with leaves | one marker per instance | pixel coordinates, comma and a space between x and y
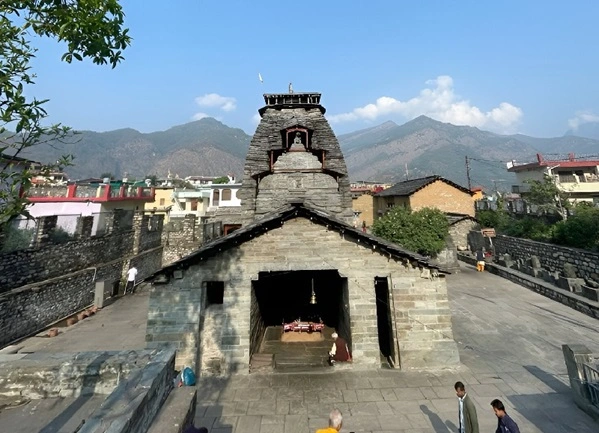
548, 197
92, 29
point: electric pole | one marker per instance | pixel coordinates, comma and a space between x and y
468, 173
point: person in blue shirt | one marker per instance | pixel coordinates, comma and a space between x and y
505, 424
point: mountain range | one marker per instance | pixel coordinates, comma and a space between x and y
384, 153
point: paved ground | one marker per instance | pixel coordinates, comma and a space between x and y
119, 326
510, 345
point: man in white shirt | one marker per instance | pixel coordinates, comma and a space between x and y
467, 419
131, 274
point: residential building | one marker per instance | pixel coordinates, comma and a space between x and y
579, 177
432, 191
477, 193
76, 200
201, 180
363, 201
224, 195
163, 201
187, 201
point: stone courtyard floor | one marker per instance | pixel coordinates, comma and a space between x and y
510, 345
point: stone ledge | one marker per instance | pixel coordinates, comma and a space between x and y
572, 300
177, 412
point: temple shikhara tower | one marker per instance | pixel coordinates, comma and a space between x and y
295, 156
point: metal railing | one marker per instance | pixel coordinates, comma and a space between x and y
591, 376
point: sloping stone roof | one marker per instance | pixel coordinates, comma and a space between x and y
274, 220
409, 187
454, 218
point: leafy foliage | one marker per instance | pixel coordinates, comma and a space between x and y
493, 219
222, 179
15, 239
91, 29
423, 231
581, 230
548, 197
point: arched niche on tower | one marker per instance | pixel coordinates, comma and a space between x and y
297, 138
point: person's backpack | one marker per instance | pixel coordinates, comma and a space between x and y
189, 377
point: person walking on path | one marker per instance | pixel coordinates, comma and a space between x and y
335, 422
131, 275
480, 260
467, 419
505, 424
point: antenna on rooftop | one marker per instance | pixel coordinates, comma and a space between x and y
290, 87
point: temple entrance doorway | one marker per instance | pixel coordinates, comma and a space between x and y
293, 315
383, 320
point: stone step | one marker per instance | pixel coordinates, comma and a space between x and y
299, 363
261, 362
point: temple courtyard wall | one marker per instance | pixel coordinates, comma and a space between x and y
51, 281
422, 319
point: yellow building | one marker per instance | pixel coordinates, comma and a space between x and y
163, 201
432, 192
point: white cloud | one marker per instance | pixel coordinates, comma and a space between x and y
256, 118
225, 103
582, 117
199, 116
439, 102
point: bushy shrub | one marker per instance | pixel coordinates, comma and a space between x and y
580, 230
15, 239
423, 231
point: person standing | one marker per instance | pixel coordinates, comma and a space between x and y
335, 422
467, 419
131, 275
505, 424
480, 260
340, 351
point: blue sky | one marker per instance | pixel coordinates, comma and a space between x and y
506, 66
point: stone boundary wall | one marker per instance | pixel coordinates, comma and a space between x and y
551, 257
30, 309
24, 267
578, 302
133, 405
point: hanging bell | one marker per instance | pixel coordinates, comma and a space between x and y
313, 298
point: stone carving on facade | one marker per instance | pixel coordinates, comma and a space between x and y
297, 144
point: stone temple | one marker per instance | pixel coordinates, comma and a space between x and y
295, 256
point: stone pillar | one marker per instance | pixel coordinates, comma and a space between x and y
575, 355
189, 223
113, 221
84, 226
140, 226
100, 293
45, 227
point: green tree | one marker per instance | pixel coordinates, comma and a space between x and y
580, 230
222, 179
153, 179
91, 29
423, 231
497, 219
107, 175
548, 197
